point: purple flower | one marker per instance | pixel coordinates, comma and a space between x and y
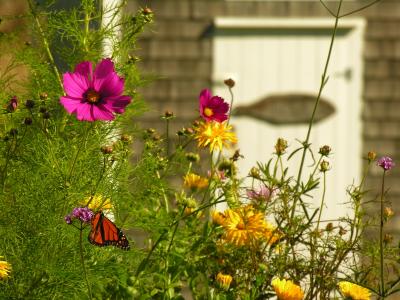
212, 108
68, 219
263, 193
385, 162
94, 95
82, 213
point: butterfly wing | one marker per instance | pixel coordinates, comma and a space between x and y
104, 233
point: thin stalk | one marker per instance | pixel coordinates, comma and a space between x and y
83, 262
174, 232
87, 23
167, 135
382, 289
323, 82
46, 44
322, 201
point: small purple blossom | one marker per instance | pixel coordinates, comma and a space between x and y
84, 214
263, 193
68, 219
386, 163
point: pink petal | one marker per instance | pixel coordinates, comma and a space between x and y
104, 68
117, 103
85, 70
84, 112
100, 112
112, 85
74, 86
205, 95
70, 104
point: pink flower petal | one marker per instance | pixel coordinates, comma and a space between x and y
73, 86
104, 68
112, 85
100, 112
70, 104
84, 112
117, 103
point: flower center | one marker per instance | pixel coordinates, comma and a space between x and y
208, 112
92, 96
241, 226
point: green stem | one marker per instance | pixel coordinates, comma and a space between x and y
83, 262
46, 44
322, 201
323, 82
382, 289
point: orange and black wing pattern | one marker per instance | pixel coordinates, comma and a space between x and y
105, 233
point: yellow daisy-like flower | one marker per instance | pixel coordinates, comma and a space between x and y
5, 269
218, 218
224, 280
214, 135
244, 226
195, 182
354, 291
287, 290
97, 203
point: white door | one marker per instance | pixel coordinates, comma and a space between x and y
287, 57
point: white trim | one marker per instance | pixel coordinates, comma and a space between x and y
286, 22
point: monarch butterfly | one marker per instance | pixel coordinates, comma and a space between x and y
105, 233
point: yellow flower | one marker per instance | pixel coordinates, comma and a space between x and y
5, 269
97, 203
195, 182
218, 218
224, 280
244, 226
354, 291
214, 135
287, 290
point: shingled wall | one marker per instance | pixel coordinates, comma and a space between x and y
179, 52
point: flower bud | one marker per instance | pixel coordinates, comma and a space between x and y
325, 150
13, 131
192, 157
324, 166
28, 121
168, 114
126, 138
388, 213
342, 231
150, 130
371, 156
43, 109
46, 115
13, 104
43, 96
281, 146
387, 239
189, 131
229, 82
29, 104
107, 149
196, 123
147, 11
329, 227
255, 173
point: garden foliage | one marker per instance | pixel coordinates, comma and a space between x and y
71, 148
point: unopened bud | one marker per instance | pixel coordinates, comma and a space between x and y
147, 11
107, 149
371, 156
13, 104
28, 121
387, 239
29, 104
329, 227
342, 231
168, 114
189, 131
229, 82
43, 96
254, 172
192, 157
388, 212
126, 138
42, 109
324, 166
13, 131
196, 123
281, 146
46, 115
150, 130
325, 150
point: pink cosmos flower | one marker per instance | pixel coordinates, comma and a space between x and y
94, 95
213, 108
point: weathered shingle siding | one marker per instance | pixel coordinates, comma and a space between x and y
180, 53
